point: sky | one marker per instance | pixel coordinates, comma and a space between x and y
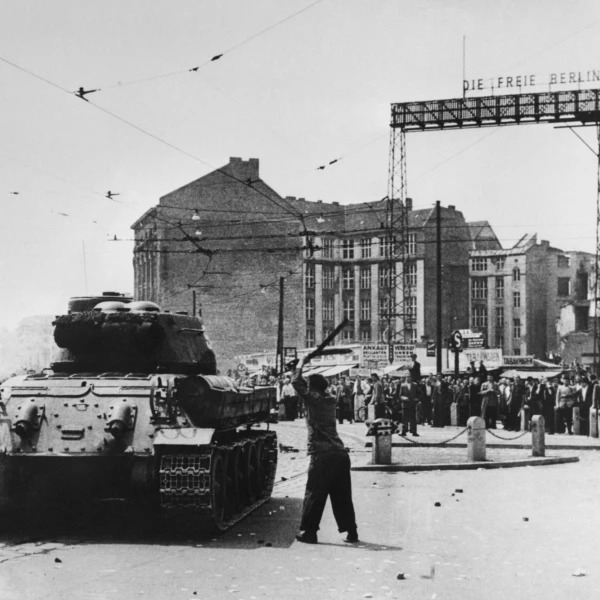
300, 83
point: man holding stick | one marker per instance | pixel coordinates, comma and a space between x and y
329, 469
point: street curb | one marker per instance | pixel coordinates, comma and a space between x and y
529, 462
495, 446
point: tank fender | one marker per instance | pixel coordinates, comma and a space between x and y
185, 436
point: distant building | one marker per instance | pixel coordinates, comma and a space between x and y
527, 297
230, 237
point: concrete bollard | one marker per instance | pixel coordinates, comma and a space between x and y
594, 422
538, 439
576, 421
370, 412
381, 431
476, 439
454, 414
524, 419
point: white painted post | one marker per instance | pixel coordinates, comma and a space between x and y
454, 414
593, 422
476, 439
576, 421
382, 442
538, 439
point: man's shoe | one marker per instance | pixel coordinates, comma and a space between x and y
404, 433
307, 537
415, 434
352, 537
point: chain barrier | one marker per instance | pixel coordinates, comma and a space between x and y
507, 438
437, 443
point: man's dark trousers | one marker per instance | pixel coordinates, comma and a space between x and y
328, 475
409, 416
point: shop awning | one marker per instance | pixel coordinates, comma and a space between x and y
338, 369
535, 374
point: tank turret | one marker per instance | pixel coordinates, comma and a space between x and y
135, 337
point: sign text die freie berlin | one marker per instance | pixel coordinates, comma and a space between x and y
531, 80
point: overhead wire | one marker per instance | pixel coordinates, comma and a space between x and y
214, 57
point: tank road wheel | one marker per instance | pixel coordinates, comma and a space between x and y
218, 492
251, 472
235, 482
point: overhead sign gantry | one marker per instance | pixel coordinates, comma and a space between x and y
567, 107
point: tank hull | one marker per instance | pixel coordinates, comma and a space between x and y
192, 445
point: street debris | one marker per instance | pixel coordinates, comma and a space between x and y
438, 504
400, 576
579, 573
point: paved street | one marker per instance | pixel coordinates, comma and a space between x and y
518, 533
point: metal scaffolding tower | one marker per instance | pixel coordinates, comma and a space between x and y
568, 108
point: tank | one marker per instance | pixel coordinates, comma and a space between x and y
134, 409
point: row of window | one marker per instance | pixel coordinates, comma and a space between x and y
364, 336
480, 263
348, 283
348, 309
365, 247
479, 289
480, 320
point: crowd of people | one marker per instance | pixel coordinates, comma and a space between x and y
415, 400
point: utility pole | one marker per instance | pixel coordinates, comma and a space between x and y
438, 278
279, 360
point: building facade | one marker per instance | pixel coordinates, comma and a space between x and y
524, 299
227, 244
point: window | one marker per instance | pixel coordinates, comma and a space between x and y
365, 279
348, 279
500, 338
385, 243
564, 286
516, 328
327, 244
517, 351
365, 247
411, 275
499, 288
384, 277
365, 310
563, 262
500, 317
310, 338
347, 248
411, 309
347, 335
349, 309
516, 299
500, 262
480, 316
310, 309
411, 336
327, 332
309, 276
479, 264
328, 309
479, 288
384, 307
412, 243
328, 278
516, 274
365, 335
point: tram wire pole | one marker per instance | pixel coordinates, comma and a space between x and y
438, 273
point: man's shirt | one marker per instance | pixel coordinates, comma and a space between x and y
320, 417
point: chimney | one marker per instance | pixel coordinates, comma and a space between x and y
290, 198
336, 203
451, 207
244, 169
409, 204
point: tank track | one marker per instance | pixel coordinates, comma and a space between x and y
211, 488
